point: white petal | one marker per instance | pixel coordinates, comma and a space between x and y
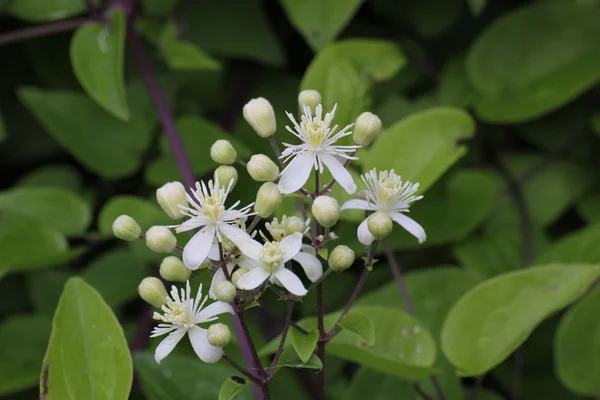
339, 173
410, 225
216, 308
253, 279
357, 204
196, 251
291, 245
290, 281
248, 263
213, 253
168, 344
217, 278
242, 240
206, 351
364, 236
311, 265
295, 175
308, 249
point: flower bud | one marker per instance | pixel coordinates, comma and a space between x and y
152, 291
261, 117
268, 199
341, 258
160, 239
238, 274
225, 291
172, 269
326, 211
125, 228
294, 225
225, 173
366, 128
219, 335
380, 224
222, 152
170, 196
262, 169
310, 98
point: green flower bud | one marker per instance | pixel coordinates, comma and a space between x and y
160, 239
125, 228
380, 224
172, 269
294, 225
225, 291
326, 211
261, 117
225, 173
268, 199
238, 274
366, 128
310, 98
262, 169
219, 335
341, 258
170, 196
222, 152
152, 291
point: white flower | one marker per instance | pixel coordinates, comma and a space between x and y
182, 314
268, 262
207, 211
387, 193
317, 149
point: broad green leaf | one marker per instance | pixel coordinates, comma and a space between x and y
87, 356
375, 385
58, 176
489, 322
231, 387
97, 57
476, 6
576, 247
455, 90
183, 55
55, 208
290, 359
45, 10
422, 146
535, 59
145, 212
320, 21
589, 208
577, 346
24, 339
44, 289
303, 344
361, 325
159, 8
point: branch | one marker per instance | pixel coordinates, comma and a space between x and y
237, 366
42, 30
286, 327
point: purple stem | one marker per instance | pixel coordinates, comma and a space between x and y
42, 30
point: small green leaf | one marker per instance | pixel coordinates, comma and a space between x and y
183, 55
57, 176
145, 212
359, 324
489, 322
45, 10
290, 359
97, 58
87, 356
576, 247
304, 344
231, 387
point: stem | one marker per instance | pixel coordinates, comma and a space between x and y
90, 7
279, 315
42, 30
222, 262
421, 392
321, 279
253, 224
286, 327
275, 147
321, 343
328, 187
237, 366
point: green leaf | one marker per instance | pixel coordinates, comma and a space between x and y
576, 247
577, 346
159, 8
476, 6
97, 57
145, 212
181, 54
374, 385
231, 387
455, 89
422, 146
57, 176
44, 289
304, 344
534, 60
24, 339
361, 325
489, 322
45, 10
87, 356
52, 207
290, 359
589, 208
320, 21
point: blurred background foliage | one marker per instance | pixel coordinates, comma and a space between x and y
493, 106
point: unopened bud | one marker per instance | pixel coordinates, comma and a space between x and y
125, 228
262, 169
225, 173
294, 225
219, 335
225, 291
380, 224
261, 117
238, 274
366, 128
310, 98
341, 258
222, 152
170, 196
268, 199
172, 269
326, 211
160, 239
152, 291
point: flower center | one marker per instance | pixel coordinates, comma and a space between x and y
276, 229
272, 256
213, 206
314, 132
389, 185
176, 314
